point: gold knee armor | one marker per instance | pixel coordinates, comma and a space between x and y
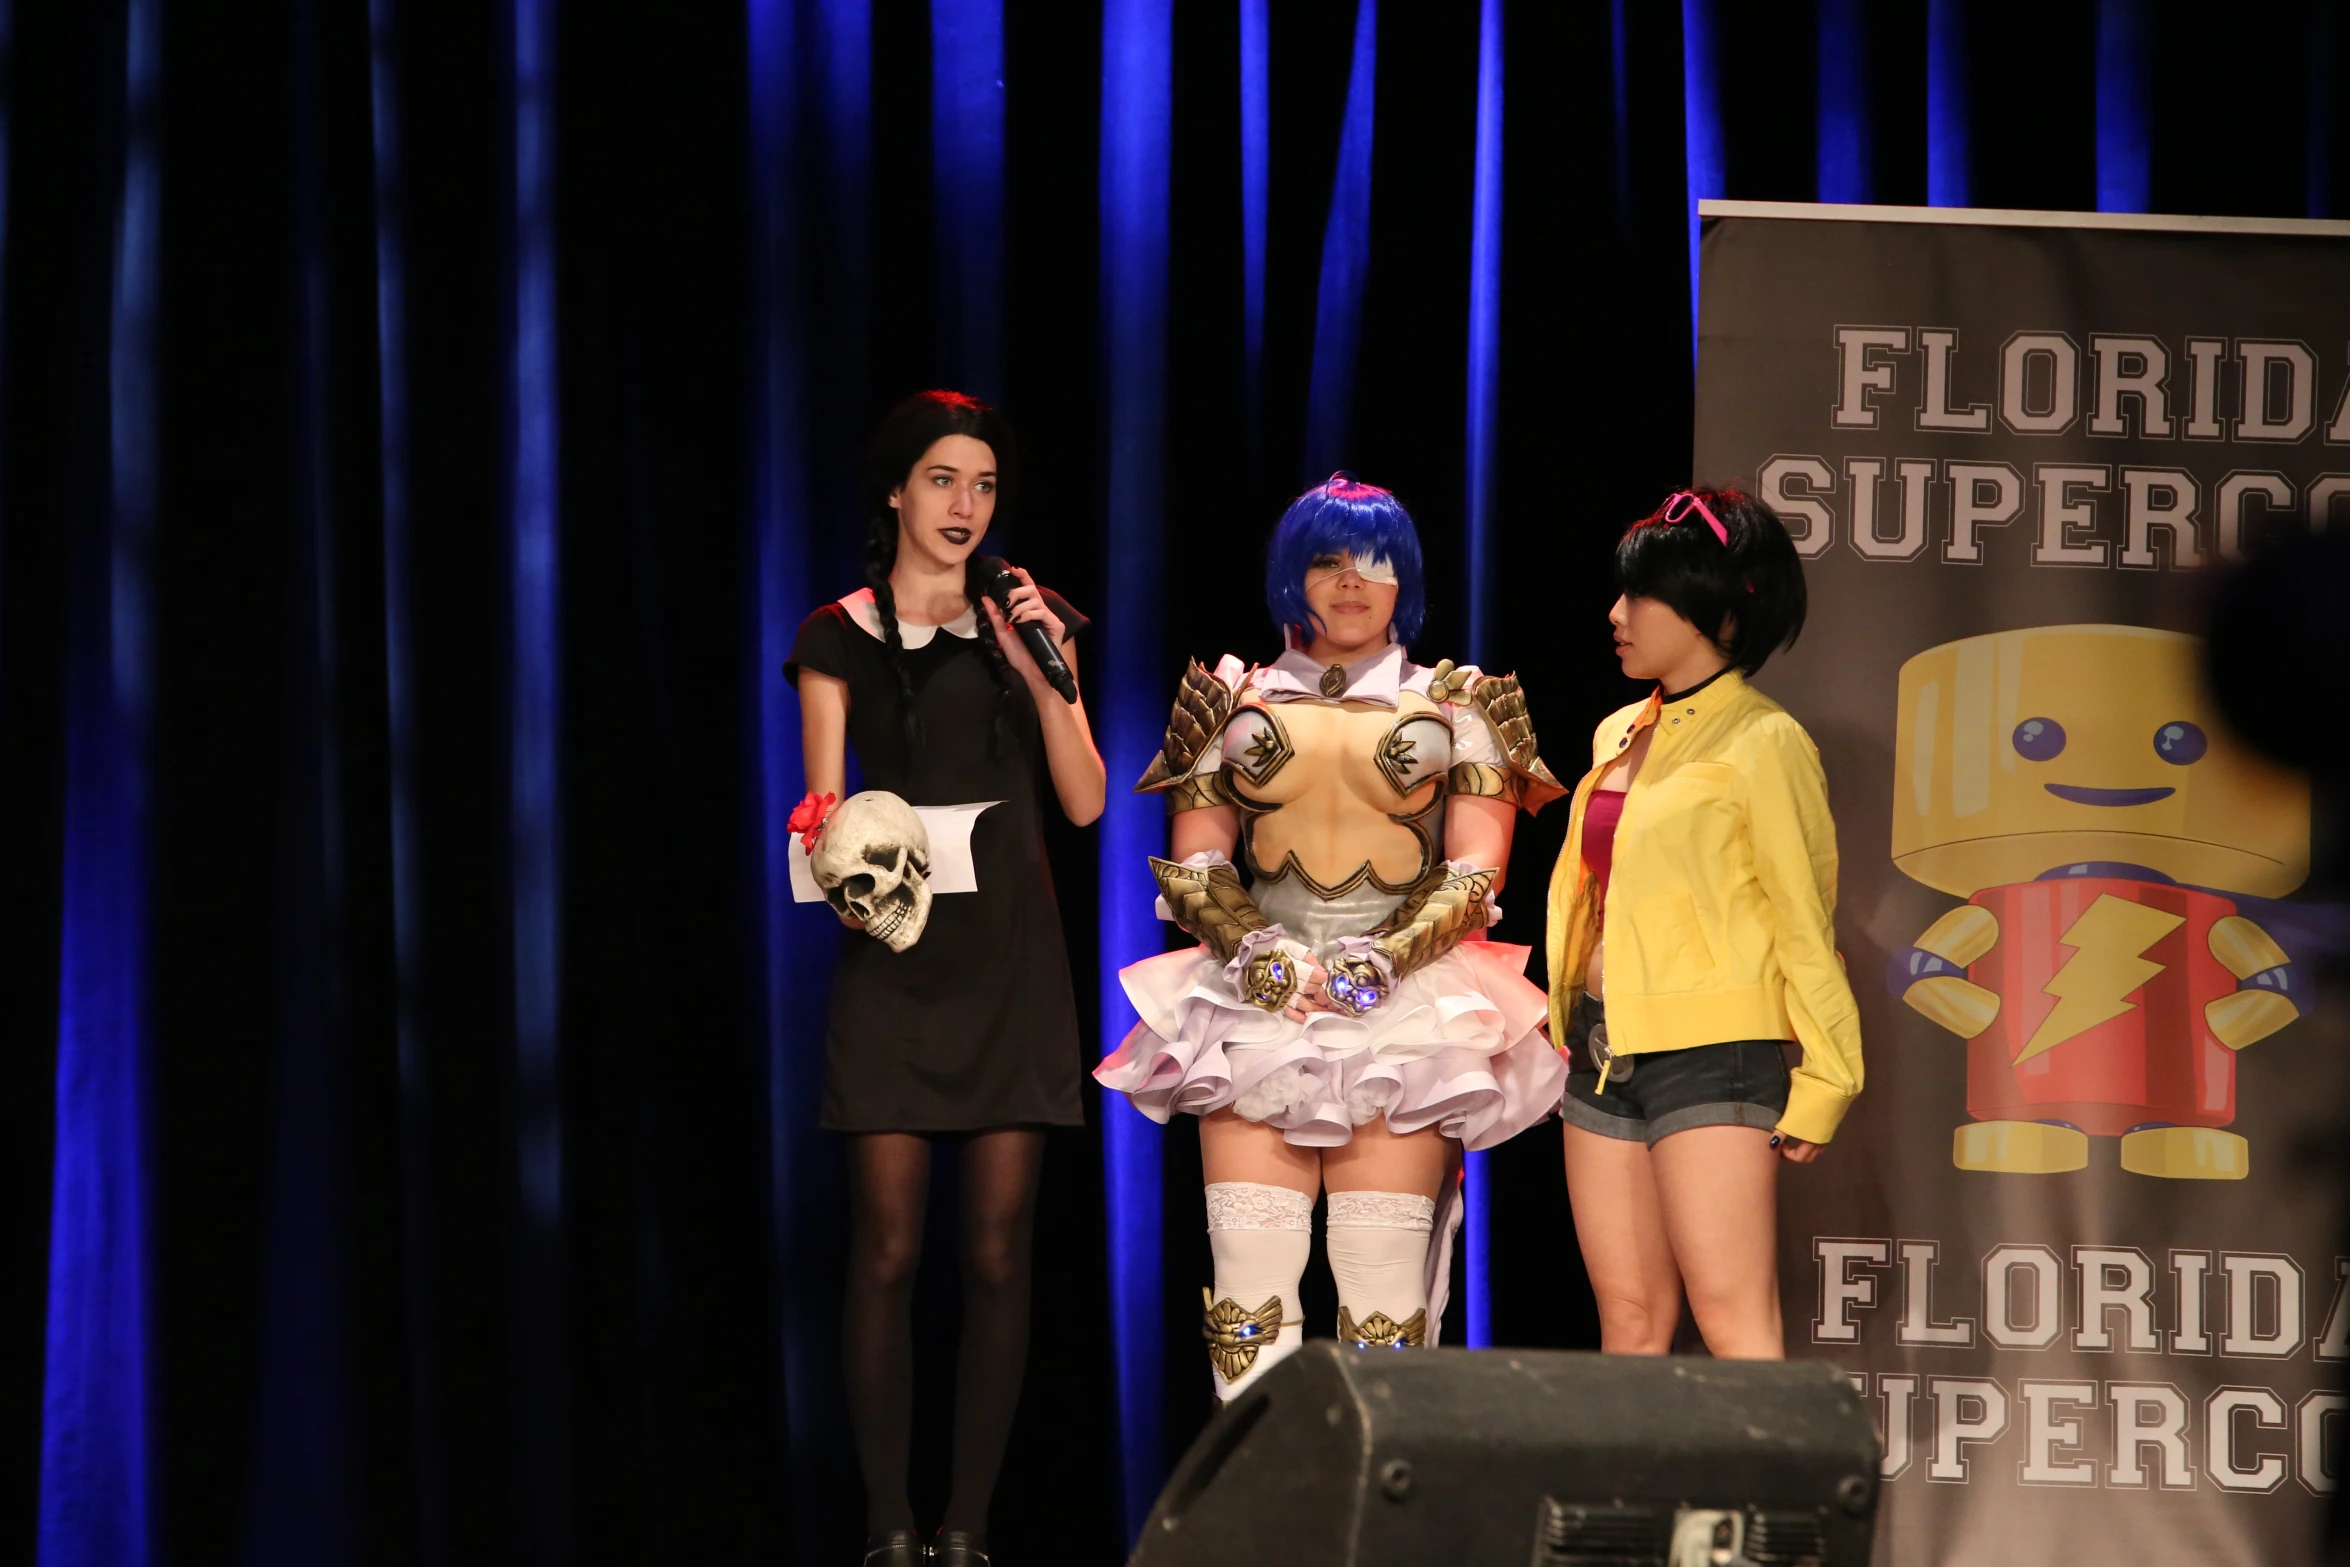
1235, 1334
1381, 1331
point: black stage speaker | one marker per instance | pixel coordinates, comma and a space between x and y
1343, 1457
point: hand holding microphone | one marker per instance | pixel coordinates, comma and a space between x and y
1016, 603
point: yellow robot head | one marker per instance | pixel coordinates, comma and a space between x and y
2022, 751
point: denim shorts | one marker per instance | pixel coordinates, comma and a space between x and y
1739, 1083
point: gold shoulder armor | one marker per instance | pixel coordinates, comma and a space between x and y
1448, 682
1202, 704
1503, 704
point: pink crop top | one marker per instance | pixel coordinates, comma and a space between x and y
1601, 813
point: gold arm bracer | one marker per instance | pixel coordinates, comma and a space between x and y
1483, 780
1434, 917
1202, 704
1209, 903
1196, 792
1503, 704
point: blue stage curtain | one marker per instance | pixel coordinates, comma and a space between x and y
422, 429
2124, 106
1947, 113
1846, 159
967, 163
1701, 99
1130, 687
98, 1447
1480, 500
1346, 260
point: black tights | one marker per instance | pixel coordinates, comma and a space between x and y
889, 1195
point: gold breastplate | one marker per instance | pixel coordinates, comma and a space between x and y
1340, 793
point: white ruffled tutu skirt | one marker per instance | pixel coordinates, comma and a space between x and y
1458, 1046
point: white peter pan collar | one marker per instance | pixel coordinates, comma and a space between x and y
1378, 678
862, 610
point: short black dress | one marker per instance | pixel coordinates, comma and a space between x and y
975, 1025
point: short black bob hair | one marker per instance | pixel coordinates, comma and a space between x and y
1753, 580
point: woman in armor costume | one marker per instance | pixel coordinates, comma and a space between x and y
1341, 823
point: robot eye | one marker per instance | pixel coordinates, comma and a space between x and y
2039, 739
2180, 742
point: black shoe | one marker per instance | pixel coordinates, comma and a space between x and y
959, 1548
898, 1548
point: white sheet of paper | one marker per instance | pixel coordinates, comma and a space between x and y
949, 827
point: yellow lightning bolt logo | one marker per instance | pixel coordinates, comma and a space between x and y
2105, 967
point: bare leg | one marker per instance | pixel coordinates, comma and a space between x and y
1379, 1160
1719, 1189
889, 1194
1231, 1149
1619, 1221
999, 1214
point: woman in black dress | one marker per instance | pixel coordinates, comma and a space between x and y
971, 1033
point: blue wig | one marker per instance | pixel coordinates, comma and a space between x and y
1343, 514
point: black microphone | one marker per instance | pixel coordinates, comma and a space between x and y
997, 582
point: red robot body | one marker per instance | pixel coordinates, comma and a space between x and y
2153, 1059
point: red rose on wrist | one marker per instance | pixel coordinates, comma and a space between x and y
807, 817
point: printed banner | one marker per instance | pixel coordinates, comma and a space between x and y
2078, 1242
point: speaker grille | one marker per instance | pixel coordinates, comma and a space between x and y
1576, 1535
1784, 1539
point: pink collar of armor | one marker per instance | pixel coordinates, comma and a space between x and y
1379, 678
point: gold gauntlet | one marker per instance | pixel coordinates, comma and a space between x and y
1269, 980
1354, 985
1209, 903
1433, 918
1212, 904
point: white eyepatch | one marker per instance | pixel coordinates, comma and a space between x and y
1381, 571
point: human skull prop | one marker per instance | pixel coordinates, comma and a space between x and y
873, 861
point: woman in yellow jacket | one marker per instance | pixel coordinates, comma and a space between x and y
1692, 936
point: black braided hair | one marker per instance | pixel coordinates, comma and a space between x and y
982, 569
909, 430
881, 553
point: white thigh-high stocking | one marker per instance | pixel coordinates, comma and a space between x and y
1259, 1235
1379, 1252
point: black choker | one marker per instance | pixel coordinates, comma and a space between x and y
1683, 696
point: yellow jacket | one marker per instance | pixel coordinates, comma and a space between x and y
1721, 904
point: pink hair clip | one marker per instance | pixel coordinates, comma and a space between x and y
1677, 507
